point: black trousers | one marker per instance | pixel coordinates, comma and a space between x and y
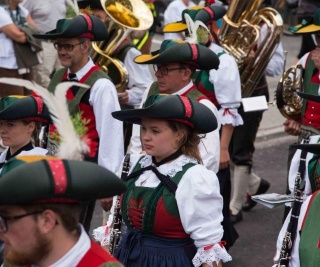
242, 142
230, 234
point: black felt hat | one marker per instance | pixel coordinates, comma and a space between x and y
16, 107
81, 26
43, 179
178, 51
90, 3
172, 107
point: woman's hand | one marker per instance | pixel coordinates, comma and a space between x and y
292, 127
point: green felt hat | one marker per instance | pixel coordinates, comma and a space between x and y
81, 26
181, 25
82, 4
16, 107
172, 107
210, 13
178, 51
205, 14
44, 179
307, 26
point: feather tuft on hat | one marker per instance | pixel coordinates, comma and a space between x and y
72, 146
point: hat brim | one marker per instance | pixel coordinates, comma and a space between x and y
169, 108
78, 28
311, 148
34, 183
175, 27
182, 53
312, 28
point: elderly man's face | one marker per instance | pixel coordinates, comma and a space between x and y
171, 77
23, 241
72, 52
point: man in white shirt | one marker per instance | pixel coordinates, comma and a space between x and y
94, 104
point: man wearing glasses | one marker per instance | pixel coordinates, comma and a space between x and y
95, 104
174, 65
39, 214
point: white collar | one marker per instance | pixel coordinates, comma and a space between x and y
84, 70
184, 89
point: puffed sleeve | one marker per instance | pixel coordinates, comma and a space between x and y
200, 207
227, 87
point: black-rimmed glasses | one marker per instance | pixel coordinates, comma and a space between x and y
67, 47
4, 220
164, 70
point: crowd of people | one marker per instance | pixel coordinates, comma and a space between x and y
169, 154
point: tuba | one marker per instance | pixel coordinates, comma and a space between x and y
239, 35
288, 101
124, 16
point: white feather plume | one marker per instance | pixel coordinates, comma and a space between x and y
74, 5
71, 145
193, 26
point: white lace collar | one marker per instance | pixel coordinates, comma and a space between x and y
171, 168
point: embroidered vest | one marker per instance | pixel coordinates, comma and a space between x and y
78, 101
310, 109
201, 80
309, 247
153, 210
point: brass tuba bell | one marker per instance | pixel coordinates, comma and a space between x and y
124, 16
239, 35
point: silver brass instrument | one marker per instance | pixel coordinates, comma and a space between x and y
239, 35
115, 231
288, 101
124, 16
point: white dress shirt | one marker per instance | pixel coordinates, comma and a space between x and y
104, 100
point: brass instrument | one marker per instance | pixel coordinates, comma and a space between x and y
239, 35
124, 16
288, 101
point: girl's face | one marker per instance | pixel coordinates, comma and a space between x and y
158, 139
16, 133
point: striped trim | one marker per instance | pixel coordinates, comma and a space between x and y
194, 50
210, 11
187, 106
59, 176
88, 20
39, 104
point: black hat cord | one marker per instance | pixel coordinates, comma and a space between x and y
167, 182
